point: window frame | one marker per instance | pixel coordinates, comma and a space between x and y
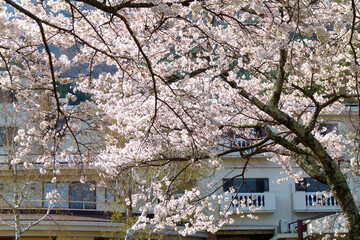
302, 186
330, 127
46, 201
253, 133
7, 96
68, 201
110, 193
7, 135
258, 133
88, 203
265, 184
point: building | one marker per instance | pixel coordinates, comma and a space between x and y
83, 213
85, 210
283, 205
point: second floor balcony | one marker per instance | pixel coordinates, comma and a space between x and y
241, 139
246, 202
313, 196
314, 202
248, 194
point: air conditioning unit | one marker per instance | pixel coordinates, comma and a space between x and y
284, 225
293, 228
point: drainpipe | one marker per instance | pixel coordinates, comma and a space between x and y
301, 228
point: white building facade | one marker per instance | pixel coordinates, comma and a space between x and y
83, 213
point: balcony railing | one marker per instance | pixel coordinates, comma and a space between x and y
314, 202
237, 142
320, 199
76, 205
263, 202
247, 200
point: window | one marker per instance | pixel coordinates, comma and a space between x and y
60, 124
246, 133
63, 190
314, 195
248, 191
327, 128
311, 185
60, 127
109, 195
243, 137
73, 195
258, 132
111, 190
251, 185
81, 197
30, 198
7, 96
7, 135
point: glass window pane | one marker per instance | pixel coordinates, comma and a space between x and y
2, 136
323, 187
262, 185
237, 185
300, 186
7, 135
10, 134
75, 195
6, 96
266, 185
89, 196
256, 185
311, 185
228, 184
79, 194
257, 132
109, 192
327, 128
60, 124
62, 189
250, 185
109, 196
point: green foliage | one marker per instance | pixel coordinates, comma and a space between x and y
63, 89
12, 63
119, 233
169, 57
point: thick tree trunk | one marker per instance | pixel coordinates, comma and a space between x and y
334, 177
338, 185
355, 230
320, 157
342, 193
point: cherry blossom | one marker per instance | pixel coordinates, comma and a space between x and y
173, 82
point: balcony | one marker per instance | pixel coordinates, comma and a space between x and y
260, 202
314, 202
70, 205
227, 144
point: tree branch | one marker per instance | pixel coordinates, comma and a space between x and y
309, 165
280, 79
310, 126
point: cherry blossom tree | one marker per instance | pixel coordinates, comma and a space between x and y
185, 73
20, 177
134, 192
